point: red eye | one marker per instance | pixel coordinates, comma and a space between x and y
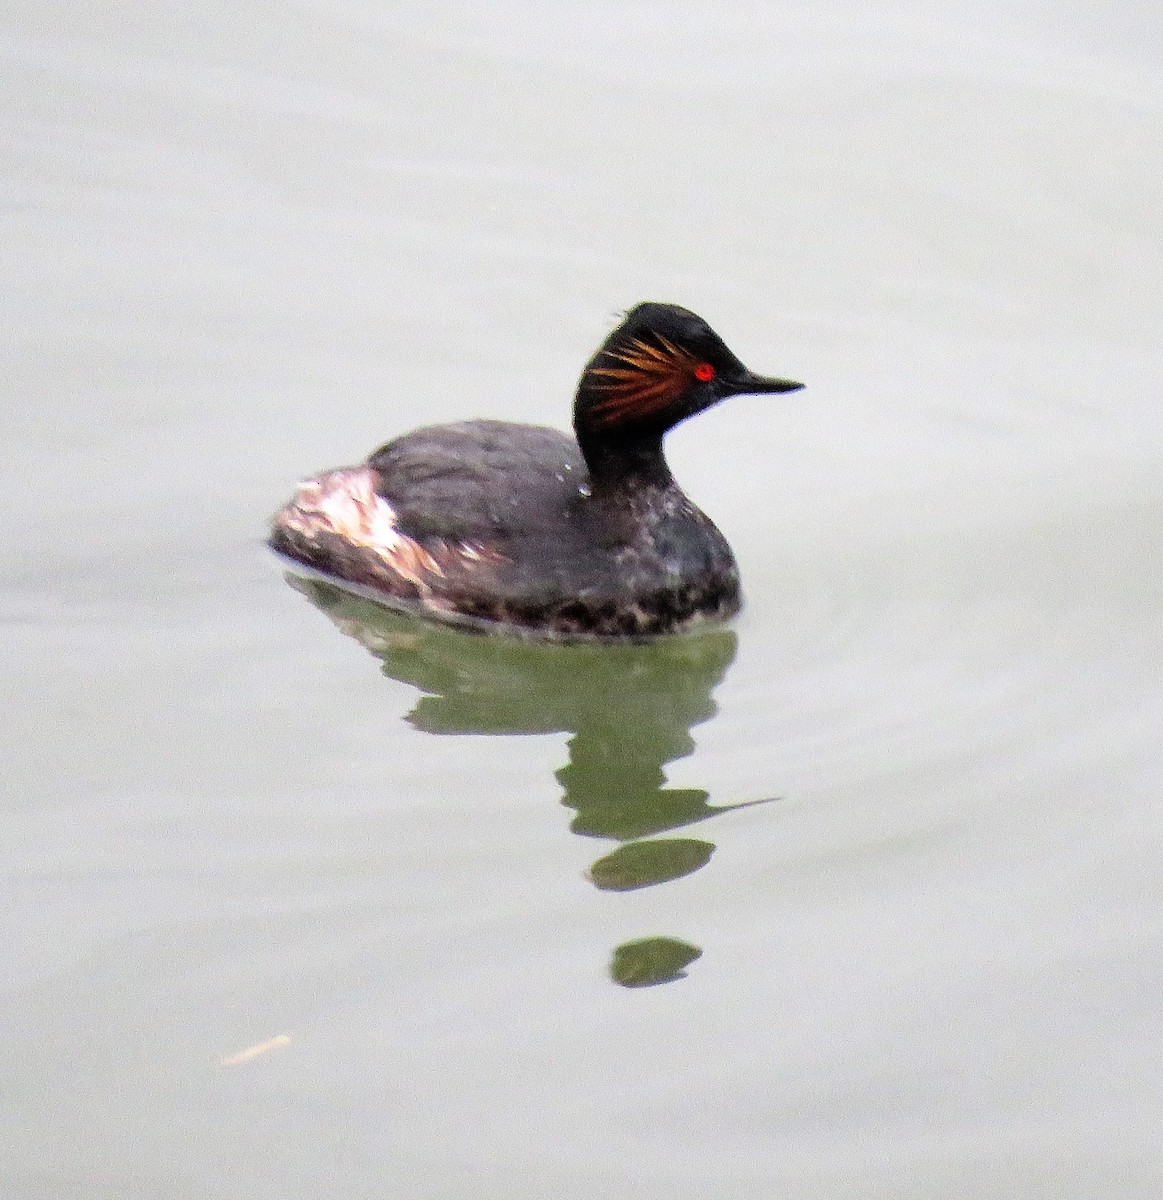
704, 372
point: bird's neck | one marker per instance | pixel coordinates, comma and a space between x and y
618, 463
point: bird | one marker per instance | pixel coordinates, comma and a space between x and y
499, 526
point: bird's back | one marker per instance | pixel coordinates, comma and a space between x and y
480, 482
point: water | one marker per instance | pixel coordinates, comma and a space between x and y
245, 243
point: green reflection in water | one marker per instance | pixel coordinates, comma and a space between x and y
629, 709
640, 864
648, 961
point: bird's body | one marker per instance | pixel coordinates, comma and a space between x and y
489, 522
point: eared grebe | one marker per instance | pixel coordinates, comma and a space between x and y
493, 523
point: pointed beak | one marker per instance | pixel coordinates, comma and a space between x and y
752, 384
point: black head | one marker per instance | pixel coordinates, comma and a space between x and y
660, 366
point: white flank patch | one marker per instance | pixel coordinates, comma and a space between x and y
345, 503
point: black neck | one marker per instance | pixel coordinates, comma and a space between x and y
624, 460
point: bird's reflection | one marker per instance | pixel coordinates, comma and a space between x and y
629, 709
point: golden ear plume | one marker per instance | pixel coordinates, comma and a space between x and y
649, 380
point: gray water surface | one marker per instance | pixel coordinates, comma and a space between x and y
907, 807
